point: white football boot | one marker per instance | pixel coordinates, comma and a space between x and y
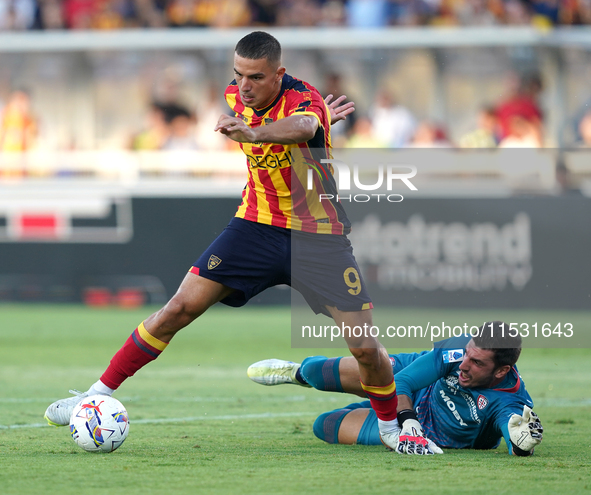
58, 413
275, 372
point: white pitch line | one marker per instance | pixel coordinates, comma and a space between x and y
227, 416
184, 420
137, 398
33, 425
541, 402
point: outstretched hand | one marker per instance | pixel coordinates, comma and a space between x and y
337, 111
235, 129
526, 431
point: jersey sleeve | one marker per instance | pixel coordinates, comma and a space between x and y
308, 103
231, 97
505, 430
430, 367
421, 373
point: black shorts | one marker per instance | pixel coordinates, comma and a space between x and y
250, 257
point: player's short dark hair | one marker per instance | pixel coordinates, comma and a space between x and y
497, 337
259, 44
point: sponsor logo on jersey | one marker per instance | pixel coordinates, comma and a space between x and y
393, 361
472, 406
213, 262
452, 407
268, 121
482, 402
453, 356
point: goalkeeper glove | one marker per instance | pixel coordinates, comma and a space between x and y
525, 431
411, 439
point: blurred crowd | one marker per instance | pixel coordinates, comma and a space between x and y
18, 124
171, 124
118, 14
516, 120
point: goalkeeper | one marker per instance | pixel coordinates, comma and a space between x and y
465, 393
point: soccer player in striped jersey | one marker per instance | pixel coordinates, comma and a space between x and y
283, 233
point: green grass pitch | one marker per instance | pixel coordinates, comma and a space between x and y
198, 425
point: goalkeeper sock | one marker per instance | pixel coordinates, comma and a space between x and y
299, 377
322, 373
326, 427
99, 388
383, 400
139, 349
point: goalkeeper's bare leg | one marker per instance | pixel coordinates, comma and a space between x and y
351, 425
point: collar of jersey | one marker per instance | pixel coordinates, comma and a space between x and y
263, 111
513, 374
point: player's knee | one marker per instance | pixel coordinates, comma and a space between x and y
365, 356
326, 427
181, 311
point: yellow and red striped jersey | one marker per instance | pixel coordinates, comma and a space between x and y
280, 191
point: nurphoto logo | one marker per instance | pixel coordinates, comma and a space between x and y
386, 175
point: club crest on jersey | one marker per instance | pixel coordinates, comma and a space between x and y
268, 121
482, 402
453, 356
213, 262
452, 382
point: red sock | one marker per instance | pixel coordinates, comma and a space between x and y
139, 349
383, 400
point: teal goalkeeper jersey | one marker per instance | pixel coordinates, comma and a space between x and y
451, 415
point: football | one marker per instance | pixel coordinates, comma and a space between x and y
99, 424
